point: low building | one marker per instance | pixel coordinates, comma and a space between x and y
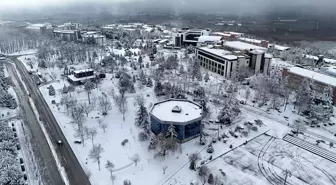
96, 37
81, 76
205, 39
296, 75
67, 35
186, 36
185, 115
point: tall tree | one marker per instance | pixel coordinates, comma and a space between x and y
88, 86
95, 153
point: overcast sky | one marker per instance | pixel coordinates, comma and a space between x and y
238, 6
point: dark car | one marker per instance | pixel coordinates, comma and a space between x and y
78, 142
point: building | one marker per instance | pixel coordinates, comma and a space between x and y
222, 62
95, 36
67, 35
242, 46
321, 81
228, 63
235, 34
81, 76
185, 115
206, 39
186, 36
69, 26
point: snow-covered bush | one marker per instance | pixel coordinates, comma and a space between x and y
143, 136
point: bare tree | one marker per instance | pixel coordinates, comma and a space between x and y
203, 173
103, 126
81, 133
164, 168
299, 126
139, 99
95, 153
121, 101
110, 167
113, 178
247, 93
104, 104
92, 133
135, 158
193, 158
88, 86
87, 108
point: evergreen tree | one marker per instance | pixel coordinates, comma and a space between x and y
321, 107
158, 88
171, 132
149, 82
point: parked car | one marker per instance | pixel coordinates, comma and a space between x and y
78, 142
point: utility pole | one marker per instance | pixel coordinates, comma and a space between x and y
286, 173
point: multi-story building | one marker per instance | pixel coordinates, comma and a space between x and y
186, 36
67, 35
97, 37
222, 62
296, 75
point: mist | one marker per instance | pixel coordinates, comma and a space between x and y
237, 7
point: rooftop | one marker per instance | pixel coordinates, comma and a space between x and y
65, 31
74, 79
319, 77
215, 51
250, 40
222, 34
177, 111
83, 70
204, 38
238, 45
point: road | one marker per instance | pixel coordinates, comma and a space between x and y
38, 141
75, 172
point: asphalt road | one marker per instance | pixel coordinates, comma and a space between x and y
46, 162
75, 172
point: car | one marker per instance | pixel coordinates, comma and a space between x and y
59, 142
78, 142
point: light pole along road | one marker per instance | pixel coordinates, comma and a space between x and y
74, 171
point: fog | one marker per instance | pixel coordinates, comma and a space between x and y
239, 7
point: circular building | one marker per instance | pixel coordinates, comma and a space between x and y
185, 115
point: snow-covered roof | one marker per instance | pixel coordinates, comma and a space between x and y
242, 45
74, 79
326, 60
268, 55
256, 41
280, 48
330, 70
235, 33
163, 41
83, 70
230, 57
205, 38
222, 34
215, 51
319, 77
65, 31
166, 111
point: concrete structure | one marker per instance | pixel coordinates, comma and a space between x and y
222, 62
69, 26
185, 115
186, 36
81, 76
321, 81
97, 37
227, 63
67, 35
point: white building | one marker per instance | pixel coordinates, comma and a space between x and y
205, 39
98, 38
222, 62
186, 36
